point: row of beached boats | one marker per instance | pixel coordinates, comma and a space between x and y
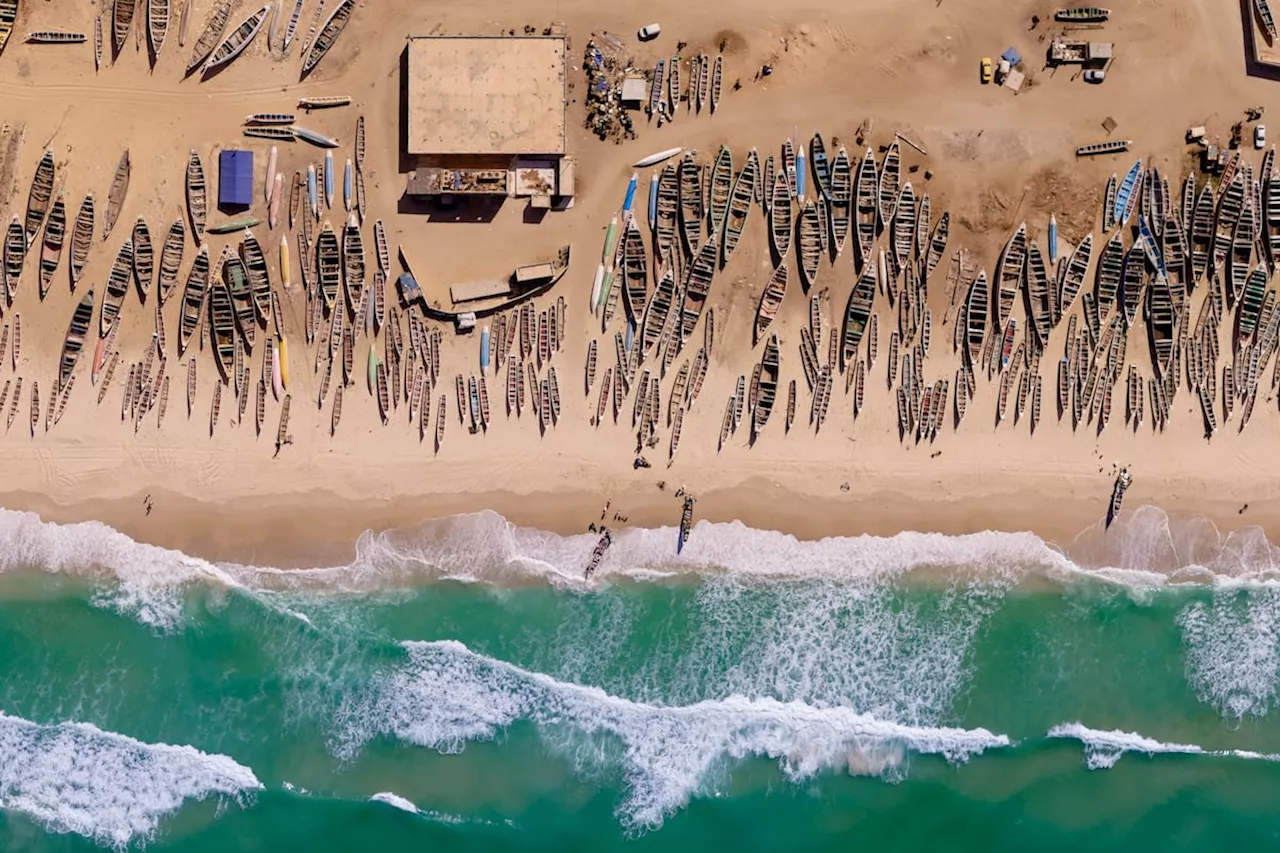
706, 84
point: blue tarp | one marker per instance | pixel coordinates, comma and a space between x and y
235, 179
1011, 56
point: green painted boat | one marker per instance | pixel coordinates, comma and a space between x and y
373, 369
233, 225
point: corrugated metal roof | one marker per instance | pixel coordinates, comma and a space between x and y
235, 179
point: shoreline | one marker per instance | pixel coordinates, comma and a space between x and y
320, 528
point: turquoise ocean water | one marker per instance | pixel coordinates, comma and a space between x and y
457, 687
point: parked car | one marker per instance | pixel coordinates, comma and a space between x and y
649, 32
987, 69
1094, 75
1260, 136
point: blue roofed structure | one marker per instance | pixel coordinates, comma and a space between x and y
235, 180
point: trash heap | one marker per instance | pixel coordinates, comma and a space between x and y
605, 71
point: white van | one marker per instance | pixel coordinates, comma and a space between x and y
649, 32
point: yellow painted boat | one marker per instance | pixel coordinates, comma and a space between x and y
284, 362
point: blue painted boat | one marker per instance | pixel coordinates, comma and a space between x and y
1053, 239
312, 200
1150, 246
484, 350
800, 174
328, 179
631, 195
653, 200
631, 335
1126, 194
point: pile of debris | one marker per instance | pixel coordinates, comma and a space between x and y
605, 71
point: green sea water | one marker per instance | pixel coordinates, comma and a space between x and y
458, 687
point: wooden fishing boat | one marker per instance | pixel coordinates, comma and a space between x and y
197, 196
328, 266
39, 196
35, 406
808, 242
717, 81
1127, 194
51, 251
115, 198
73, 344
672, 94
1039, 305
1009, 274
938, 242
144, 260
867, 205
1107, 280
780, 217
239, 39
692, 210
1249, 306
222, 321
553, 392
657, 313
770, 301
709, 330
254, 261
17, 340
263, 119
1109, 204
81, 238
894, 343
767, 387
841, 197
56, 37
353, 263
1133, 279
903, 226
157, 24
292, 27
13, 405
1072, 279
697, 287
117, 287
324, 102
635, 270
1110, 146
193, 297
976, 309
667, 213
888, 187
1263, 11
122, 14
191, 385
1202, 233
857, 315
273, 132
1230, 208
820, 165
282, 432
329, 32
171, 258
209, 38
1082, 15
697, 377
97, 42
721, 188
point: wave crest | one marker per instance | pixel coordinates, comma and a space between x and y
445, 695
1102, 749
77, 778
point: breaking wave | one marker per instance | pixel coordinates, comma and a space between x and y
446, 695
1103, 749
77, 778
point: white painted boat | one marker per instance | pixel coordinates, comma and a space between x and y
654, 159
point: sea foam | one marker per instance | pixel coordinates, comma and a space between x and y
77, 778
1102, 749
445, 696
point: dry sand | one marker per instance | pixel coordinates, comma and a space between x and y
911, 67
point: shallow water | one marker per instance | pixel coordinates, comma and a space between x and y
457, 686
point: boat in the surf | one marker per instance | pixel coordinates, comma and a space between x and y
56, 37
237, 42
328, 35
597, 554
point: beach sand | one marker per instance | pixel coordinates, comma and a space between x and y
995, 159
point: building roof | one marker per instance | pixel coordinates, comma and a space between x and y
235, 179
486, 95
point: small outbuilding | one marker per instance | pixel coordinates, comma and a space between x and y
235, 180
